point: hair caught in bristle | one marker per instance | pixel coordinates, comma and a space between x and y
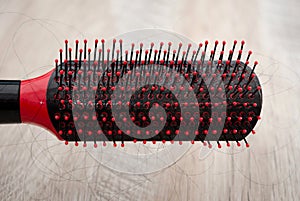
75, 77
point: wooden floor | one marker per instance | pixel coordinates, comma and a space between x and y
34, 165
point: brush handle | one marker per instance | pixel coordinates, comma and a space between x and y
10, 101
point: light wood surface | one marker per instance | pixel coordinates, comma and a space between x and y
34, 165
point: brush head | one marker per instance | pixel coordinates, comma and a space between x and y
222, 97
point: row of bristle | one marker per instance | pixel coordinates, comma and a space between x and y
151, 55
144, 142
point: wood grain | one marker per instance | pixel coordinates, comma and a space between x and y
35, 166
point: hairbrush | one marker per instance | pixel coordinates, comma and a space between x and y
90, 90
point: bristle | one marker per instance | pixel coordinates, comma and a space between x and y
101, 72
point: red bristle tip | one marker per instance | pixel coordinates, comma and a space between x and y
253, 132
66, 142
235, 41
256, 62
169, 43
224, 42
242, 42
114, 40
216, 42
250, 52
115, 144
180, 44
85, 41
56, 60
206, 42
96, 41
120, 41
66, 41
76, 144
81, 50
200, 45
122, 145
102, 41
247, 145
95, 145
60, 50
108, 50
77, 41
141, 45
209, 146
219, 146
104, 144
84, 145
238, 144
60, 132
228, 144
